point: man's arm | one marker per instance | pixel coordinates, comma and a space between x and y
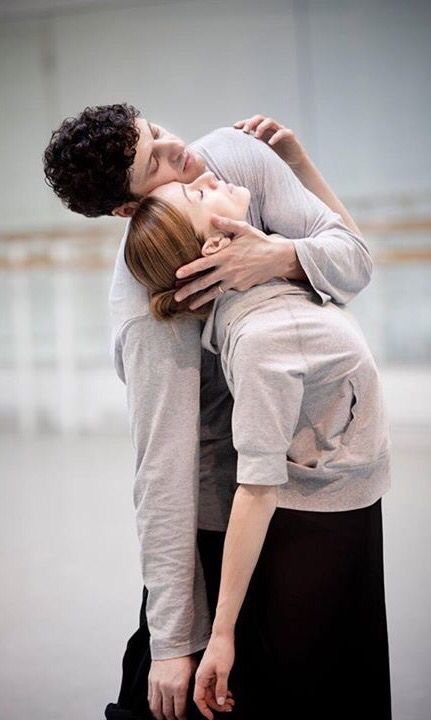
160, 364
335, 259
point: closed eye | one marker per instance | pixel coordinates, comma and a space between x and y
154, 165
202, 194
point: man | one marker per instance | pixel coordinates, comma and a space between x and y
103, 162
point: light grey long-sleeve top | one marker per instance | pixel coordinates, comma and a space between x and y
179, 403
309, 415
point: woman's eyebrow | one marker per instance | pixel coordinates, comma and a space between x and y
185, 194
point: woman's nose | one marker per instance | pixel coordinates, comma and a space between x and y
209, 179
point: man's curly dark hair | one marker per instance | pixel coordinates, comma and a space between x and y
87, 162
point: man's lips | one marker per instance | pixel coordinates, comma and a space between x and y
188, 159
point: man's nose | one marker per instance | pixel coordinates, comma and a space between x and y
172, 148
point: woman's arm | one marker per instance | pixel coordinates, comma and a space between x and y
286, 144
264, 369
252, 509
314, 181
317, 244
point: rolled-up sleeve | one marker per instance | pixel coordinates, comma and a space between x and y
266, 380
160, 364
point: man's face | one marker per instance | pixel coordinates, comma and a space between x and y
161, 158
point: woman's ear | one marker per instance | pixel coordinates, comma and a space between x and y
126, 210
215, 244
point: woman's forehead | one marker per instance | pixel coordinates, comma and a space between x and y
170, 190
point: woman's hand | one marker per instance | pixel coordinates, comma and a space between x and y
281, 139
211, 679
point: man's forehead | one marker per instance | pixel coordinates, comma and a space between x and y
144, 130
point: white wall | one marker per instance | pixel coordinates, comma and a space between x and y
350, 77
353, 79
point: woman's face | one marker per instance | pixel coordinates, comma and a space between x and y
202, 198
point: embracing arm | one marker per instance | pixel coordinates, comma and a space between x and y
313, 180
160, 364
310, 240
285, 143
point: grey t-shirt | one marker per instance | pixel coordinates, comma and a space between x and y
180, 415
309, 414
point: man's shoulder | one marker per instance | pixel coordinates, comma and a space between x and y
127, 297
228, 150
232, 155
221, 134
226, 135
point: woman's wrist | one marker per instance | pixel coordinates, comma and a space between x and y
222, 626
312, 179
306, 171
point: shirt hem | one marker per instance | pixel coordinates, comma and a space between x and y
165, 653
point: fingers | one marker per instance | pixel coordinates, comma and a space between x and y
203, 299
168, 706
204, 699
282, 134
197, 286
236, 227
249, 124
269, 124
228, 705
155, 703
259, 125
180, 705
199, 697
196, 266
221, 688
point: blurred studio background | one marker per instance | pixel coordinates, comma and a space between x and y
353, 80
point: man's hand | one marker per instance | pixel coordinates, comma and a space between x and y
281, 139
168, 685
252, 258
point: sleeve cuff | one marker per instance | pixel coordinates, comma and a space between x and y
310, 268
262, 469
163, 652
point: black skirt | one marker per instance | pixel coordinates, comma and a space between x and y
311, 638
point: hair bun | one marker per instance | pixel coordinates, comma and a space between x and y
163, 305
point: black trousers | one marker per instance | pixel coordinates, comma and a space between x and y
311, 638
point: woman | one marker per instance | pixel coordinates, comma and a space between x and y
304, 539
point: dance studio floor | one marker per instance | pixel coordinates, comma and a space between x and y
71, 588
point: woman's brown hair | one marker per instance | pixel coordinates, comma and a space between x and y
159, 241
